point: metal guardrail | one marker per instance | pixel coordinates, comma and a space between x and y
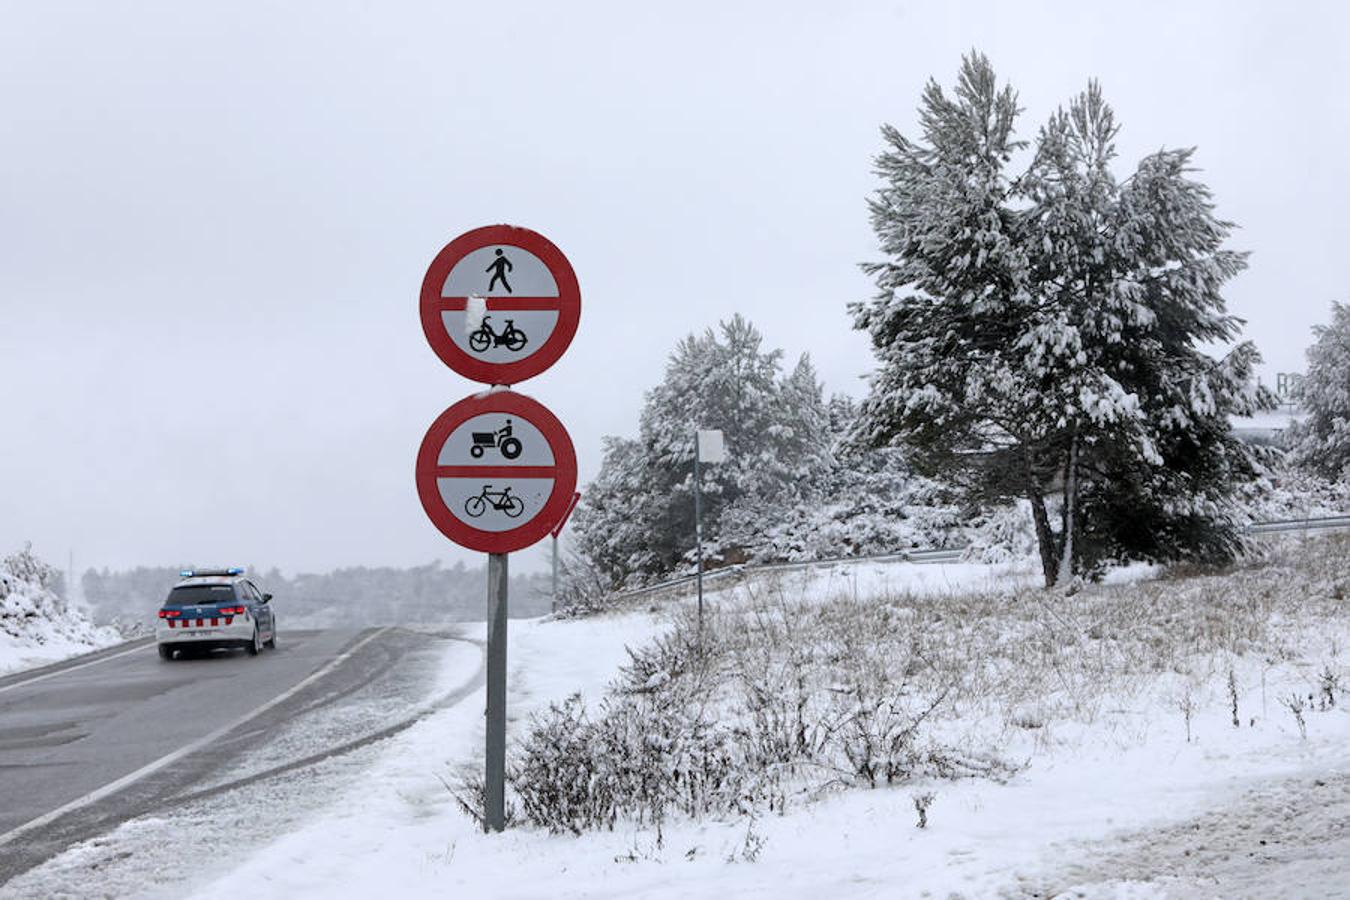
1286, 525
932, 556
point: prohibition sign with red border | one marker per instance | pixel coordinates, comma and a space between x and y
562, 299
437, 478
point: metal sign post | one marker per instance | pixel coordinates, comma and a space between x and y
497, 471
698, 539
494, 782
576, 498
708, 446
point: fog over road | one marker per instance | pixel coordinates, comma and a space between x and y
88, 744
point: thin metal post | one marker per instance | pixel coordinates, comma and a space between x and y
555, 573
698, 536
494, 782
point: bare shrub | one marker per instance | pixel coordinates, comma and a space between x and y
1187, 706
1328, 683
921, 803
778, 699
583, 588
1294, 703
751, 845
469, 790
637, 759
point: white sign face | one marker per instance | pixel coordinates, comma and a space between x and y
504, 494
711, 449
508, 278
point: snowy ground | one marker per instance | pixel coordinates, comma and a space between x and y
38, 627
1122, 806
1119, 802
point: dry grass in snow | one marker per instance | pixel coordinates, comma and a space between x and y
785, 694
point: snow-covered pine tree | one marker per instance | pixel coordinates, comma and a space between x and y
638, 516
1037, 332
1321, 443
867, 502
614, 526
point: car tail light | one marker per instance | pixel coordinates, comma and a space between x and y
169, 613
231, 610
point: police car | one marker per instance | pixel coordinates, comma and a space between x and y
212, 609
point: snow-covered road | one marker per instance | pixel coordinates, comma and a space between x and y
87, 747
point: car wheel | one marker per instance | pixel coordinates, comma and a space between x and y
271, 643
254, 645
165, 651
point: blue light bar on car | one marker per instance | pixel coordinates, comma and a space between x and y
190, 573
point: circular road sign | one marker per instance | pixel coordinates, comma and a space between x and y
532, 302
496, 472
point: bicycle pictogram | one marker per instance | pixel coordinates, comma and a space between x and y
500, 439
500, 500
511, 337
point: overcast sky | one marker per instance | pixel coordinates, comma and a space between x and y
215, 218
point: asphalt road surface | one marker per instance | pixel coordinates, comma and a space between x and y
90, 743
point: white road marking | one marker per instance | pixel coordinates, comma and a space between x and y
92, 662
151, 768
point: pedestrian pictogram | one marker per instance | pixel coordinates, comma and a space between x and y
532, 299
500, 266
504, 500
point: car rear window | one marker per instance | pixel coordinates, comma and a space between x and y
198, 594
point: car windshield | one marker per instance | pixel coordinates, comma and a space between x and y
199, 594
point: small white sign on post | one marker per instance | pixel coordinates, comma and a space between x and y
711, 448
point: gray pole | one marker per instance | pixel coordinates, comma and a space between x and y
494, 812
698, 536
555, 573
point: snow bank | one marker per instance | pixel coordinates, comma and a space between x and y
36, 625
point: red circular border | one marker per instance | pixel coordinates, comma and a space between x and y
564, 460
569, 304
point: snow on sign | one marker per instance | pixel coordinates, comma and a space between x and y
532, 300
496, 472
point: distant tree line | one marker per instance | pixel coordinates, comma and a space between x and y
356, 595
